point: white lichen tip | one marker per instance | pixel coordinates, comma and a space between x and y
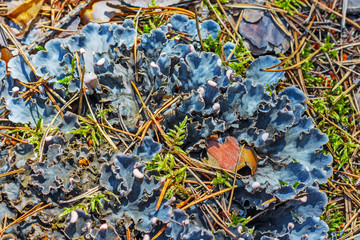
229, 73
291, 226
91, 81
154, 65
154, 220
74, 216
146, 237
100, 62
201, 91
82, 51
240, 229
216, 107
265, 136
103, 227
138, 174
163, 54
169, 25
219, 62
303, 199
212, 83
192, 48
172, 200
185, 222
48, 138
162, 180
255, 185
15, 91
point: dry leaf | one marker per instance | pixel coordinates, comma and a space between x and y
6, 55
23, 14
100, 11
226, 155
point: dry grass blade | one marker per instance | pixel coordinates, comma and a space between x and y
268, 69
47, 91
14, 138
349, 174
37, 84
174, 10
234, 181
162, 194
255, 6
59, 29
207, 197
42, 143
128, 234
342, 130
11, 36
218, 220
341, 81
269, 201
108, 127
87, 193
9, 127
336, 13
344, 93
82, 75
24, 216
98, 125
12, 172
351, 220
198, 30
159, 233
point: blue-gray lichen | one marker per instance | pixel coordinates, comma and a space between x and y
291, 163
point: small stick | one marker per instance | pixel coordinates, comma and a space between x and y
207, 197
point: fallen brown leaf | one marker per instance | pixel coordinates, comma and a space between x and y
23, 14
226, 155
